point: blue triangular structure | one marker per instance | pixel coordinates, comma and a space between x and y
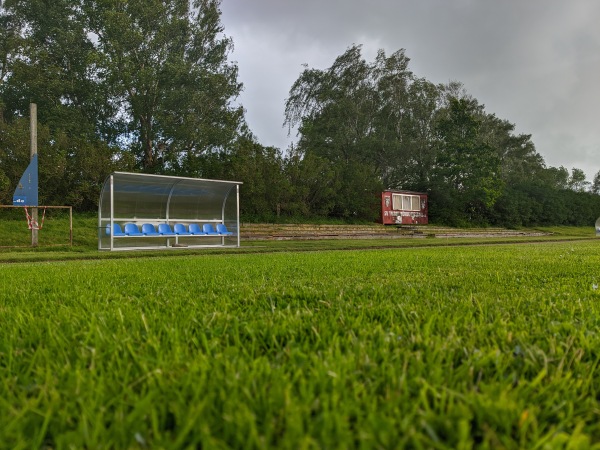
26, 193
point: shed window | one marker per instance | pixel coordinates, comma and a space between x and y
405, 202
416, 203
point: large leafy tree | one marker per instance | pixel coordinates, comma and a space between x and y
415, 169
358, 116
166, 63
518, 158
47, 58
467, 166
115, 79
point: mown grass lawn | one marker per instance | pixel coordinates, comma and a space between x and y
455, 347
54, 240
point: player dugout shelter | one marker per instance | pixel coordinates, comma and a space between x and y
142, 211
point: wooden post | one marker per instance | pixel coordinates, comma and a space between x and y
33, 139
71, 226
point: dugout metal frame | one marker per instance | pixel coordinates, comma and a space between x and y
157, 199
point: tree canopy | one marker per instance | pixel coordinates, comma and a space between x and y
138, 84
148, 85
375, 125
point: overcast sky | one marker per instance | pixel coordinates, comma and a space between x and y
535, 63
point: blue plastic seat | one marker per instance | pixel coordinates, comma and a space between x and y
208, 229
149, 230
131, 229
180, 230
165, 229
117, 231
222, 229
195, 230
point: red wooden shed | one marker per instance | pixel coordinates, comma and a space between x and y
403, 208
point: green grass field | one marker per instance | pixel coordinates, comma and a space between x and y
444, 347
54, 240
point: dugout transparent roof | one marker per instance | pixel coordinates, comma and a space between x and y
144, 198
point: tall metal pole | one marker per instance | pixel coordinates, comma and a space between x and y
33, 139
112, 213
237, 205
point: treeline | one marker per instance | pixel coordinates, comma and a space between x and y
147, 85
375, 124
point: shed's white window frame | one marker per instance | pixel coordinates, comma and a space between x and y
406, 202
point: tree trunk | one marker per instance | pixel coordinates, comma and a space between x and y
148, 158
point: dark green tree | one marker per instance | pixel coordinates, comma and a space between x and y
555, 177
265, 185
415, 169
313, 185
519, 160
166, 63
48, 58
113, 78
355, 116
467, 168
577, 181
596, 183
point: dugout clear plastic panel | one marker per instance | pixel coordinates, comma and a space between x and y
157, 199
